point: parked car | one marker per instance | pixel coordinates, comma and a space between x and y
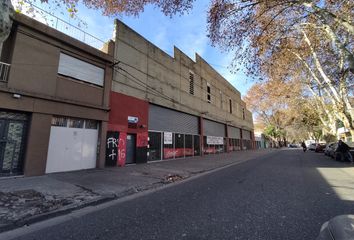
332, 150
328, 148
338, 156
320, 147
338, 228
312, 147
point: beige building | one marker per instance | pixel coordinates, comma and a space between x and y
186, 99
54, 101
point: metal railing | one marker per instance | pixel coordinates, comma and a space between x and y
65, 27
4, 71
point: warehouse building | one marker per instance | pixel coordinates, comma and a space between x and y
165, 107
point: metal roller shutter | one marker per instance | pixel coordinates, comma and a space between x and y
233, 132
163, 119
246, 134
212, 128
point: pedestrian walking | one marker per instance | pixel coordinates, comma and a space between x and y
343, 150
303, 145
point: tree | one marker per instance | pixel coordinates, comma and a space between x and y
307, 41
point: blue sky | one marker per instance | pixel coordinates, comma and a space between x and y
187, 32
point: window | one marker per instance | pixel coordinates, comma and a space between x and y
188, 145
230, 103
220, 99
59, 121
208, 93
191, 82
91, 124
179, 145
80, 70
196, 144
154, 146
75, 123
243, 114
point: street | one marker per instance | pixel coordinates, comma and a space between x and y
284, 195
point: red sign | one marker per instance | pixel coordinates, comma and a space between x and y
122, 146
177, 152
209, 150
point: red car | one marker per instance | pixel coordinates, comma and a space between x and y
320, 147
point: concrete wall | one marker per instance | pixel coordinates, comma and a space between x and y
146, 72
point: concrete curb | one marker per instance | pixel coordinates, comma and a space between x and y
65, 210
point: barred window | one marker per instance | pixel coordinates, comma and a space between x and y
75, 123
59, 121
208, 93
191, 83
91, 124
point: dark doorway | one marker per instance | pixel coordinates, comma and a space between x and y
131, 148
13, 127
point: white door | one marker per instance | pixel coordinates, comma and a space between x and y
71, 149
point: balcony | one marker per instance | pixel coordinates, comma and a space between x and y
4, 71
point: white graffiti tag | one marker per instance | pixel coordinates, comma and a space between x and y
112, 141
112, 155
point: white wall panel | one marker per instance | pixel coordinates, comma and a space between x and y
71, 149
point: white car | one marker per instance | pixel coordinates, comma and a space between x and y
312, 146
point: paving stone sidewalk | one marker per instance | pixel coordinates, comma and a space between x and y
25, 200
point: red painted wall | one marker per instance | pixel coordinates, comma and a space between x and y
123, 106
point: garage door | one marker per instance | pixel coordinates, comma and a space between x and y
233, 132
163, 119
72, 145
212, 128
246, 134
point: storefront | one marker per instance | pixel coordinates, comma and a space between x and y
172, 134
127, 135
234, 135
246, 139
214, 137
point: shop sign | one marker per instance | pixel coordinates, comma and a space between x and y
133, 119
167, 138
211, 140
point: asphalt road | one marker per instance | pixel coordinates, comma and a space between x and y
280, 196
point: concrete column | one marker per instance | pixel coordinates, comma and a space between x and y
227, 139
201, 132
37, 144
101, 157
241, 140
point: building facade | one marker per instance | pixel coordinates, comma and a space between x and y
165, 107
54, 101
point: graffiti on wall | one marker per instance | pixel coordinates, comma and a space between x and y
112, 148
122, 146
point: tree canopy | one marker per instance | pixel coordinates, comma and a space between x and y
277, 41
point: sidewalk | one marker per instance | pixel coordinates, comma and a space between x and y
25, 200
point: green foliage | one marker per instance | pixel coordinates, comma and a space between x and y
329, 138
